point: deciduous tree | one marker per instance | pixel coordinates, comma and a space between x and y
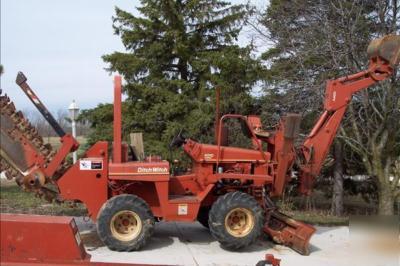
318, 40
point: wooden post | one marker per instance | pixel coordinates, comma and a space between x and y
136, 140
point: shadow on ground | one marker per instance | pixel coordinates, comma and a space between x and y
166, 232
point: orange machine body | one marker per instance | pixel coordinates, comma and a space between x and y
216, 169
262, 171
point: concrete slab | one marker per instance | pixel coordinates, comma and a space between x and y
191, 244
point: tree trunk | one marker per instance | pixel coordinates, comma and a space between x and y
337, 197
386, 200
308, 202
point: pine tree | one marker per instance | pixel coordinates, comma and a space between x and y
177, 52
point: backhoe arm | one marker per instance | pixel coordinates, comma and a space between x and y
384, 57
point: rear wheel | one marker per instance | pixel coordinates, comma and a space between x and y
236, 220
125, 223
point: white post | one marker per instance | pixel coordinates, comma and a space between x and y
73, 124
73, 114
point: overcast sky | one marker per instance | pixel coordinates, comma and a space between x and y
58, 44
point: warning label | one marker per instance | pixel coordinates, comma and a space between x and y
86, 164
182, 209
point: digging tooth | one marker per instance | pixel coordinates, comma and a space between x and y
28, 126
34, 131
48, 152
13, 133
48, 146
44, 151
49, 157
4, 100
16, 120
22, 123
20, 115
29, 136
10, 110
38, 142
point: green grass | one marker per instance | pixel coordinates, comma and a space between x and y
14, 200
321, 213
317, 217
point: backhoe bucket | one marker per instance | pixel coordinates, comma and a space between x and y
387, 48
289, 232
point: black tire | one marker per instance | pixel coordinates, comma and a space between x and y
224, 207
263, 263
117, 207
202, 216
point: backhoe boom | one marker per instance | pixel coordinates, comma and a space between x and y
385, 56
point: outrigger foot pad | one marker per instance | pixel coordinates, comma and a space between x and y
289, 232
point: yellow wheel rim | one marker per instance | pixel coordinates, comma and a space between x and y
125, 225
239, 222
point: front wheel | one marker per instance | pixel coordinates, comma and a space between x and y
125, 223
236, 220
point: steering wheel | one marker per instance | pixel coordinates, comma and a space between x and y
178, 140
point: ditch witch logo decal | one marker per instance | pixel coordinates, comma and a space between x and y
152, 170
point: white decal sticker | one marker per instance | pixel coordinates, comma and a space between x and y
86, 164
78, 238
182, 209
73, 224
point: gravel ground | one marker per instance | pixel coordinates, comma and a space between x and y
190, 244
